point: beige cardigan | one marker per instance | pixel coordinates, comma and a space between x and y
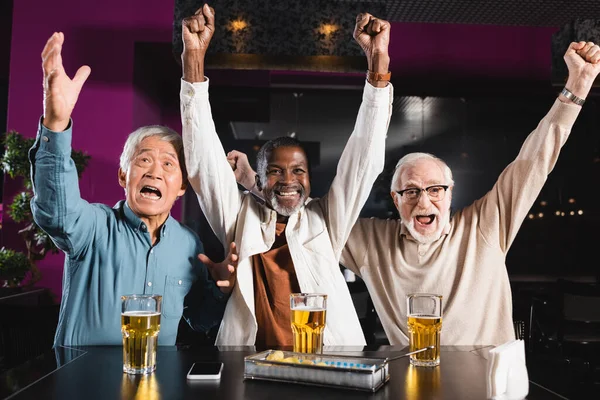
466, 265
315, 235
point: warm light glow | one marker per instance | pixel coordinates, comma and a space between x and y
562, 213
557, 213
580, 212
543, 203
540, 215
572, 213
328, 29
238, 25
571, 200
531, 216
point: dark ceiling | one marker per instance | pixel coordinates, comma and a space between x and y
551, 13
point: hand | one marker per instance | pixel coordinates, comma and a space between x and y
373, 36
60, 92
197, 30
224, 272
244, 174
583, 62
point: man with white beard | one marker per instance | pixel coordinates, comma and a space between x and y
461, 257
291, 243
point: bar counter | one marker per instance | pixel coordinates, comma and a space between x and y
95, 372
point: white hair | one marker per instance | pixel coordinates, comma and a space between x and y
411, 158
136, 137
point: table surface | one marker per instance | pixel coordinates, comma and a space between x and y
96, 373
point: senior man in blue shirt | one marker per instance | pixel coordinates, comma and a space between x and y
136, 247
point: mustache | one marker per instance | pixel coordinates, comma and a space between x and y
421, 212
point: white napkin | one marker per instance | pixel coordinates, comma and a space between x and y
507, 377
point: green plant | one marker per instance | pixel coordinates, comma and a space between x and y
15, 163
14, 265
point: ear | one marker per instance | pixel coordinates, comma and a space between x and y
395, 198
122, 178
182, 190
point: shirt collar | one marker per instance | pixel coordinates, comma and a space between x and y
137, 224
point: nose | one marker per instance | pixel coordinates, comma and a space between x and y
154, 171
287, 177
423, 198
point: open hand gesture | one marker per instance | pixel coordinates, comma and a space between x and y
60, 92
224, 272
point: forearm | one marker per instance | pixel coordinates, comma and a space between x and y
192, 63
57, 203
209, 172
379, 63
361, 162
505, 207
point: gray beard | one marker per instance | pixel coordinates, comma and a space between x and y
283, 210
432, 237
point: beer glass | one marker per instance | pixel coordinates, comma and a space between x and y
424, 312
140, 324
308, 312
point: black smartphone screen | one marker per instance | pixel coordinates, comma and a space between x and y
206, 368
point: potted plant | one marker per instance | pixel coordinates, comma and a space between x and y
15, 265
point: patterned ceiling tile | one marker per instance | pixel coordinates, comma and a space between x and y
551, 13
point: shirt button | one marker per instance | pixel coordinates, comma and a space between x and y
180, 282
45, 138
190, 92
151, 251
149, 283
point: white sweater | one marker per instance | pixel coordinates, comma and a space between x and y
466, 265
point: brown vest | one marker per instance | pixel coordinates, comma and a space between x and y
274, 280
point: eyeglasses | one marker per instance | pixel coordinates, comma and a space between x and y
435, 193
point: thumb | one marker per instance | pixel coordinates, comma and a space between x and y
81, 76
577, 45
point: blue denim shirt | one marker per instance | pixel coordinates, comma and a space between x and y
108, 253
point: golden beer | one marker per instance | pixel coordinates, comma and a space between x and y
423, 331
307, 329
140, 338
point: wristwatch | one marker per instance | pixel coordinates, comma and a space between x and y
577, 100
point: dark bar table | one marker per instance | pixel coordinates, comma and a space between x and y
96, 373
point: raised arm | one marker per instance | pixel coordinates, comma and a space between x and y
57, 206
209, 172
363, 157
504, 208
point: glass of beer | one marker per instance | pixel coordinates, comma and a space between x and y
424, 312
140, 324
308, 312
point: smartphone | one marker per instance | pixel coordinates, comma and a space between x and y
205, 371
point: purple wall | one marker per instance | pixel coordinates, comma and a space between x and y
102, 35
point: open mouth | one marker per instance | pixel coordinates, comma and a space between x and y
150, 192
286, 193
425, 219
